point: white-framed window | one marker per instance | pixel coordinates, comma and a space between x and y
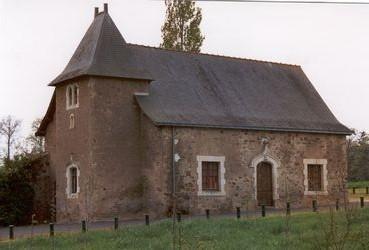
210, 175
72, 96
71, 121
315, 177
72, 174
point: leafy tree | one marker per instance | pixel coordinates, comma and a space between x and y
181, 30
35, 143
16, 192
358, 156
18, 172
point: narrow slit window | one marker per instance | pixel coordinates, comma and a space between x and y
75, 95
70, 96
71, 121
73, 180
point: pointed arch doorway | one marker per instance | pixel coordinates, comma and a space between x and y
264, 183
265, 168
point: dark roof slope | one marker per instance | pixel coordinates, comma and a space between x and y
102, 52
202, 90
49, 116
214, 91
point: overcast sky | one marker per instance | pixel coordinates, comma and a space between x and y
330, 42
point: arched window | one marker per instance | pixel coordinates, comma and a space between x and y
72, 96
71, 121
72, 175
76, 95
73, 178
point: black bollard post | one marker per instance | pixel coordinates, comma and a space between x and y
83, 226
361, 202
11, 232
288, 208
147, 219
263, 210
353, 190
116, 223
179, 217
207, 213
337, 204
51, 226
367, 190
238, 209
315, 205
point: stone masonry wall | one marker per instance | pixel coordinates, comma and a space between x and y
116, 183
43, 188
157, 167
50, 149
72, 146
240, 148
105, 145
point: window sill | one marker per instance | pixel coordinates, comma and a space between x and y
211, 193
72, 107
72, 196
316, 193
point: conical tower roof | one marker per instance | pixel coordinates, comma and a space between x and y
102, 52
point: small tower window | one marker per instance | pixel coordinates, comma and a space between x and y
73, 179
75, 95
72, 95
72, 189
71, 121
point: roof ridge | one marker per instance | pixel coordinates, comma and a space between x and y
214, 55
97, 45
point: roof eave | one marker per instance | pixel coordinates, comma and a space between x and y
297, 130
55, 83
41, 131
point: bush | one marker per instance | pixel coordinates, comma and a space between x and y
16, 193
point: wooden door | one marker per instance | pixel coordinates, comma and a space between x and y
264, 184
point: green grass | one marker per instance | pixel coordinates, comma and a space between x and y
358, 184
360, 190
306, 231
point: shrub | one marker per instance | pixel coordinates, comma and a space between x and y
16, 193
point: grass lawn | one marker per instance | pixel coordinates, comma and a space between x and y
360, 190
306, 231
358, 184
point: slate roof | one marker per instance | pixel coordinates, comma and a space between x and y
201, 90
102, 52
41, 131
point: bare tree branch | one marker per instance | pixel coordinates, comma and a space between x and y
9, 127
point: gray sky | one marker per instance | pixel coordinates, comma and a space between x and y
330, 42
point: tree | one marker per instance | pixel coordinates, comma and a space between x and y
35, 143
181, 30
16, 192
9, 128
358, 156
